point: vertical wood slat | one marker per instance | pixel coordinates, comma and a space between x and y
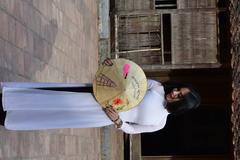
124, 5
137, 56
116, 36
135, 147
196, 42
173, 48
127, 28
196, 157
182, 4
162, 43
193, 34
139, 33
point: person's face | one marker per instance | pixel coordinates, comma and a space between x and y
176, 94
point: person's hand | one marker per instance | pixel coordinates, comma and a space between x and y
107, 62
113, 115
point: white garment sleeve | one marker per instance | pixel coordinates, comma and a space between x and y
136, 128
154, 85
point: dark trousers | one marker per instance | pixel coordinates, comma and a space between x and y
2, 113
87, 89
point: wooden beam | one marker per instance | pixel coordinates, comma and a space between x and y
164, 11
162, 43
116, 36
139, 50
135, 147
188, 157
156, 67
165, 5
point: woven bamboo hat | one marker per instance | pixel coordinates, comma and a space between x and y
122, 85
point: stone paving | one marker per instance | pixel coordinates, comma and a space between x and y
49, 41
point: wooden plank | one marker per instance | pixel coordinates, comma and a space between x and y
139, 51
162, 11
139, 23
135, 148
123, 5
129, 5
116, 36
212, 3
165, 5
181, 4
162, 42
138, 41
173, 30
192, 4
156, 67
134, 41
187, 157
202, 4
184, 4
196, 41
120, 5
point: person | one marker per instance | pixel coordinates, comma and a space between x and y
36, 106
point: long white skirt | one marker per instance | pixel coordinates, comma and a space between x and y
35, 109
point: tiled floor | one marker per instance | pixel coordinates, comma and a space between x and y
49, 41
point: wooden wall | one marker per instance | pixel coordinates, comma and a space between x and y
194, 37
140, 32
131, 5
196, 4
193, 27
207, 157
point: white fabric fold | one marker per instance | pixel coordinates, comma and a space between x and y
36, 99
29, 108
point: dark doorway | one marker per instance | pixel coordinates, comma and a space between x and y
201, 132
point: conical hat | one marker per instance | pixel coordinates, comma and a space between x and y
122, 85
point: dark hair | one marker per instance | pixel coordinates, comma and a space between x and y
190, 101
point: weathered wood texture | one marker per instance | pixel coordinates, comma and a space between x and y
133, 4
149, 4
235, 40
194, 33
196, 157
194, 37
138, 32
196, 4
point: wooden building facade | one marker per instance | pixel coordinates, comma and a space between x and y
186, 41
167, 34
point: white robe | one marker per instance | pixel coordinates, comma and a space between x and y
35, 109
